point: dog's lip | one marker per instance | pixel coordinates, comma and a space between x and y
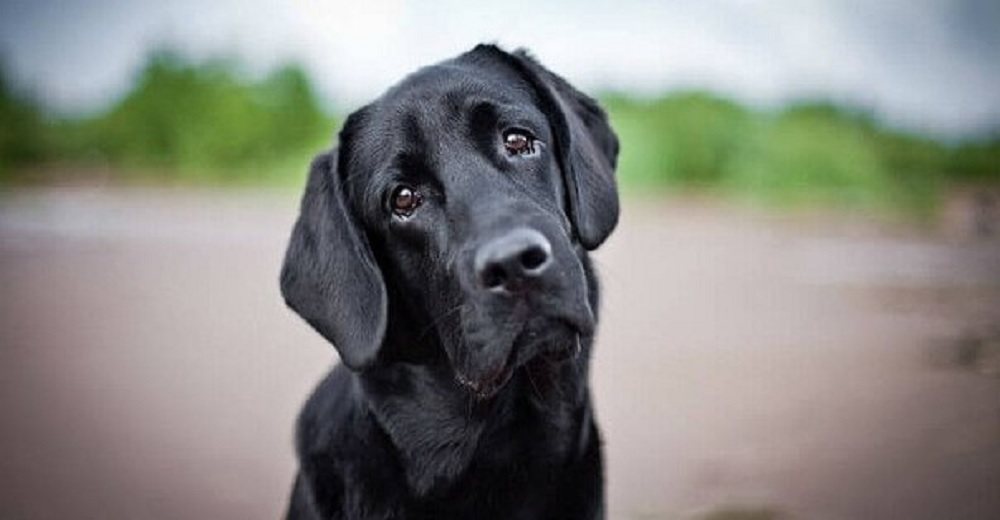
489, 386
580, 319
564, 354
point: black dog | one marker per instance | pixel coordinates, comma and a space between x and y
443, 251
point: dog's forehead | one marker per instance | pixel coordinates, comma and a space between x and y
434, 104
441, 111
448, 90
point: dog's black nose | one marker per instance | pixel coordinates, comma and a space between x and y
510, 263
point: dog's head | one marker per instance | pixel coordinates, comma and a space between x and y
454, 221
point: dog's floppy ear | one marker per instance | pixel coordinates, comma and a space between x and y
588, 151
329, 276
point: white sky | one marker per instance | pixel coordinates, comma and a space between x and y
931, 64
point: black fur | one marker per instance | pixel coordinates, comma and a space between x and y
465, 326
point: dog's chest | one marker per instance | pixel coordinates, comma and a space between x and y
512, 474
475, 452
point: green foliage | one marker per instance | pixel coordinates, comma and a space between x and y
181, 120
22, 139
209, 121
193, 117
810, 152
687, 139
976, 160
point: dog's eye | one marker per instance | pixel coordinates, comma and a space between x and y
404, 200
519, 143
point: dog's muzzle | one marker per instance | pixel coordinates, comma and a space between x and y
513, 263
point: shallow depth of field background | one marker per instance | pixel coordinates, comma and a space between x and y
802, 301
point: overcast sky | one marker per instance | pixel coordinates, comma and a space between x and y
930, 64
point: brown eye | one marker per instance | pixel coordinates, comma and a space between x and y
404, 200
518, 143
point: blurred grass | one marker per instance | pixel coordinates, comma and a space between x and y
185, 121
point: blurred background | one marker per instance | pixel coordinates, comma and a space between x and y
802, 301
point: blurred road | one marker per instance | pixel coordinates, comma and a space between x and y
148, 367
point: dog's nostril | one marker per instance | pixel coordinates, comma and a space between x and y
494, 277
533, 258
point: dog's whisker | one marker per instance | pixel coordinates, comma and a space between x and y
534, 387
437, 321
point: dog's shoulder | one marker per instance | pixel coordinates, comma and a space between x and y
347, 466
334, 419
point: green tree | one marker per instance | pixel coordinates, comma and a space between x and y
192, 118
22, 129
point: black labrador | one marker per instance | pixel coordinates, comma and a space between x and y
442, 249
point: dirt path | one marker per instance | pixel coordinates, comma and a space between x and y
148, 368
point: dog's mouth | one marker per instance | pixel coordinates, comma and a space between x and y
559, 343
489, 386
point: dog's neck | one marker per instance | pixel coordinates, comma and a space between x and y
437, 426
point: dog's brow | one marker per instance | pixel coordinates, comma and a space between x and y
413, 136
412, 164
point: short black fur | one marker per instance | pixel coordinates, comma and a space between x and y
464, 324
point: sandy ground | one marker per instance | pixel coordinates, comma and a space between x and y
148, 368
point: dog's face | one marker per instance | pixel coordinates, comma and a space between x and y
455, 221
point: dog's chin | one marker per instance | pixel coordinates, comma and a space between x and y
558, 343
